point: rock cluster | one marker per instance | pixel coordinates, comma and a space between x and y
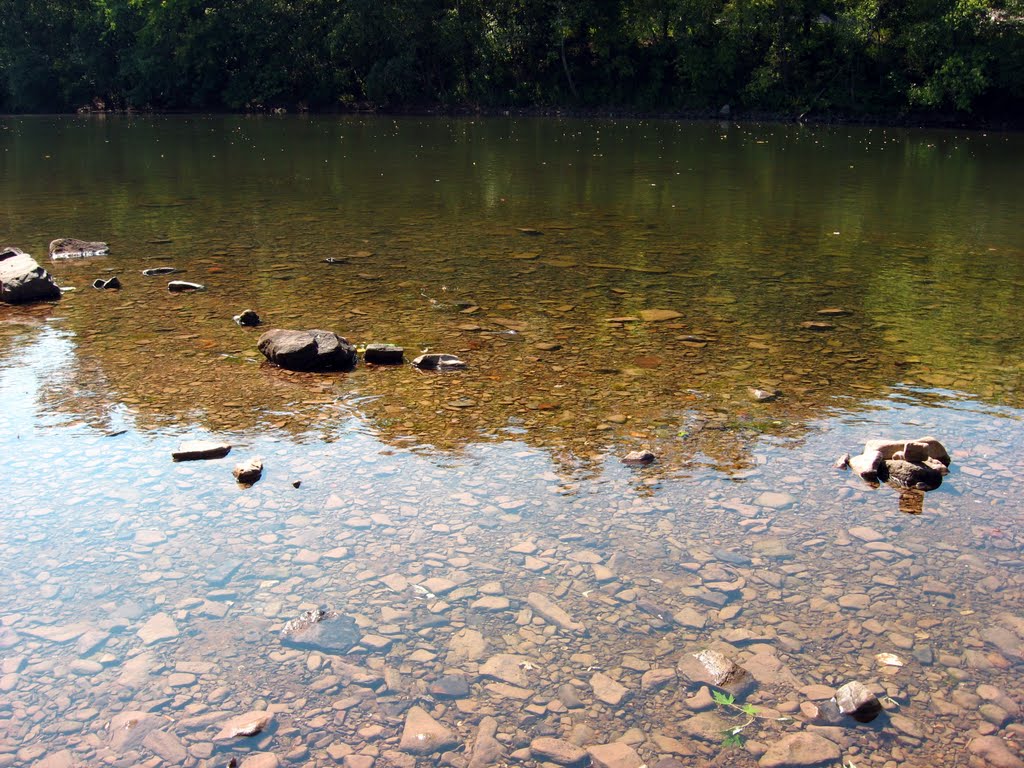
919, 464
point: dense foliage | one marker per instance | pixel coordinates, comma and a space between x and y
846, 57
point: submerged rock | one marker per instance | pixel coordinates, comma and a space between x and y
423, 735
708, 667
312, 350
800, 750
248, 319
64, 248
320, 630
183, 286
157, 271
438, 362
384, 354
23, 280
242, 726
558, 751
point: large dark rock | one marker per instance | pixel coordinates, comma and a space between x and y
312, 350
324, 631
384, 354
906, 474
71, 248
23, 280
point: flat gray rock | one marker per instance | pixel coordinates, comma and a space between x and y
312, 350
319, 630
197, 450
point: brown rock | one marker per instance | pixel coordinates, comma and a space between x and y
248, 471
423, 735
487, 750
166, 746
800, 750
607, 690
197, 450
549, 611
129, 729
714, 668
261, 760
23, 280
558, 751
507, 667
993, 750
240, 726
614, 755
72, 248
855, 700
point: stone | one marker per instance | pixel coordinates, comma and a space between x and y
659, 315
614, 755
247, 319
569, 696
920, 449
242, 726
487, 750
854, 699
320, 630
423, 735
549, 611
706, 726
159, 628
508, 668
166, 746
639, 457
905, 474
760, 395
199, 450
656, 679
867, 464
608, 690
800, 750
183, 286
558, 751
452, 686
312, 350
438, 362
715, 669
111, 284
261, 760
993, 750
159, 271
22, 279
65, 248
249, 471
129, 729
384, 354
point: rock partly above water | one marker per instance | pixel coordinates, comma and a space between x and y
198, 450
319, 630
384, 354
247, 319
23, 280
439, 362
312, 350
65, 248
714, 668
855, 700
183, 286
248, 471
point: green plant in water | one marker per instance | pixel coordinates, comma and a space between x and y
734, 735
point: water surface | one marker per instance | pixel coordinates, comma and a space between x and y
536, 250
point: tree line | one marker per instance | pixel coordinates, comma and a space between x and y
845, 58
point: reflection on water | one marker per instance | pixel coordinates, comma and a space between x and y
612, 286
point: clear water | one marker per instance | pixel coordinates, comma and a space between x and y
532, 249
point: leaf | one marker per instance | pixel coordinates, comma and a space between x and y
732, 740
723, 699
749, 709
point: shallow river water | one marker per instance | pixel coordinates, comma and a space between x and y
612, 285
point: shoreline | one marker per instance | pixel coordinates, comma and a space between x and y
917, 120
